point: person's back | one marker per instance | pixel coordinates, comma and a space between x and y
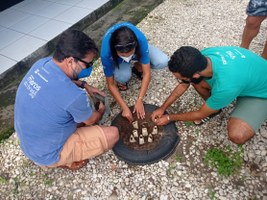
43, 119
220, 75
236, 72
51, 105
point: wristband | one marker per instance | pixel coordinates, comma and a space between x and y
83, 84
140, 98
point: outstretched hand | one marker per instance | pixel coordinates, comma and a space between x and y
101, 108
157, 114
127, 114
92, 91
161, 121
139, 109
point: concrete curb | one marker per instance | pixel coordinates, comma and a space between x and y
10, 79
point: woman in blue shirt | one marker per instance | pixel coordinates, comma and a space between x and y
122, 44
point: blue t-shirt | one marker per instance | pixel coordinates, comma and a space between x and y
236, 72
48, 107
106, 56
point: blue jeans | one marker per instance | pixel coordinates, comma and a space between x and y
257, 8
158, 60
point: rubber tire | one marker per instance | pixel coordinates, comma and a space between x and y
166, 147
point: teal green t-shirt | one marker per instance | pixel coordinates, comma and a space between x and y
236, 72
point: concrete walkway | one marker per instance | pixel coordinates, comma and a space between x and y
31, 24
29, 31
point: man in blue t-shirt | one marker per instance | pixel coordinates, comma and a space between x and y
220, 75
53, 114
124, 43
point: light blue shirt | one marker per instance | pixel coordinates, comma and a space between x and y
48, 107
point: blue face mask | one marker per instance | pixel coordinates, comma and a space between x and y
85, 73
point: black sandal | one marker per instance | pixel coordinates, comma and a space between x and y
122, 86
137, 73
204, 120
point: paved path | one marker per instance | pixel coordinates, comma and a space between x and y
29, 25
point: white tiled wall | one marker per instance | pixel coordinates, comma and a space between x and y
27, 26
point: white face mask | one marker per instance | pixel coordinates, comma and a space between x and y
127, 59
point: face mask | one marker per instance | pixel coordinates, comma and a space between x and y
127, 59
85, 73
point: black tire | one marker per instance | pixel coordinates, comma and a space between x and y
163, 150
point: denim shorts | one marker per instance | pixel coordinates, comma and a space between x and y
257, 8
252, 110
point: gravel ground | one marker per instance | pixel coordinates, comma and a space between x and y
200, 23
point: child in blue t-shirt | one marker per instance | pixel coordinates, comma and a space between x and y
122, 44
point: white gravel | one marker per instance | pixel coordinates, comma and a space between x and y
200, 23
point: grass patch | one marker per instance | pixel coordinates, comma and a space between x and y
178, 158
226, 161
6, 133
3, 180
212, 194
172, 166
171, 169
189, 123
47, 181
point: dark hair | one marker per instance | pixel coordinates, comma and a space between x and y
74, 43
122, 36
187, 61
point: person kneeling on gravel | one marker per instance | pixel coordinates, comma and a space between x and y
54, 120
220, 75
122, 45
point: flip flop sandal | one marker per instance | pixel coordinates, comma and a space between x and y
206, 119
137, 73
122, 86
75, 165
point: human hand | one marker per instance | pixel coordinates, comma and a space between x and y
127, 114
157, 114
101, 108
163, 120
139, 109
77, 82
92, 91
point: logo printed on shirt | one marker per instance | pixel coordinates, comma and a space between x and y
37, 71
231, 54
32, 86
224, 62
88, 102
45, 70
240, 54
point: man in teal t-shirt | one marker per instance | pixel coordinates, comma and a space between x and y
220, 75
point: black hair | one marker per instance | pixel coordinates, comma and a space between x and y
122, 36
187, 61
74, 43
